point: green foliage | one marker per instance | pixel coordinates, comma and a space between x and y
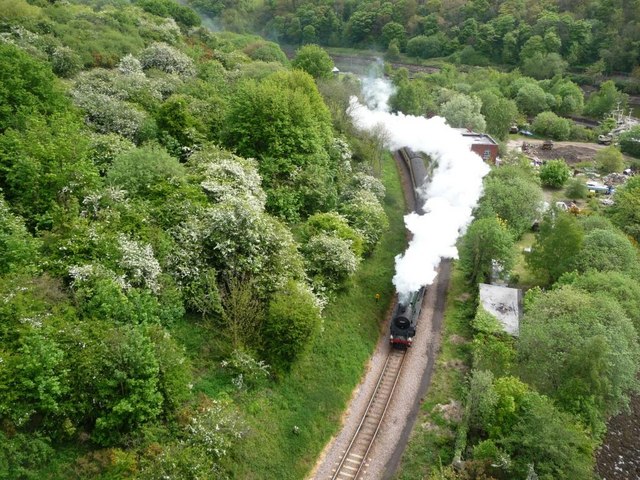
148, 171
266, 52
487, 241
500, 113
558, 246
606, 250
165, 8
580, 349
616, 285
485, 322
493, 353
549, 124
22, 455
544, 65
247, 372
576, 189
630, 142
462, 111
526, 428
18, 249
27, 86
428, 46
119, 368
203, 295
512, 193
292, 318
313, 60
45, 163
569, 97
604, 101
174, 370
625, 213
532, 99
176, 119
330, 260
283, 122
555, 173
335, 224
394, 32
366, 216
549, 439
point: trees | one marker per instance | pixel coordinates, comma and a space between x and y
609, 160
512, 193
569, 97
366, 216
18, 249
630, 142
551, 125
544, 65
607, 250
531, 99
580, 349
463, 111
523, 427
603, 102
555, 173
314, 60
625, 213
292, 318
430, 46
500, 113
330, 260
148, 171
487, 241
27, 86
623, 288
394, 31
279, 117
557, 246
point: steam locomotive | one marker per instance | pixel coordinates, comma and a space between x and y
404, 320
407, 311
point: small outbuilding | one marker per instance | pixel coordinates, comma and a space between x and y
482, 144
505, 304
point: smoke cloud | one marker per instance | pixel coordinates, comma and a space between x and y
450, 196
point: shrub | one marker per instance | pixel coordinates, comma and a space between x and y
313, 60
145, 170
292, 318
576, 189
555, 173
630, 142
366, 216
609, 160
551, 125
167, 59
330, 259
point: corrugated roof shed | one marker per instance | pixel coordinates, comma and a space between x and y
505, 304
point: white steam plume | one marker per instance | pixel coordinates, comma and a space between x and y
449, 197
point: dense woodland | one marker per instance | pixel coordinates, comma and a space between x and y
541, 37
157, 182
189, 226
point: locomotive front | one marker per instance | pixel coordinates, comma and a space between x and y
404, 320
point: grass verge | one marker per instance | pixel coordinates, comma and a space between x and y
433, 438
313, 396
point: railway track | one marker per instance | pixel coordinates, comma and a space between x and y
353, 462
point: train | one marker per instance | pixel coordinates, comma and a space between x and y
407, 311
404, 320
